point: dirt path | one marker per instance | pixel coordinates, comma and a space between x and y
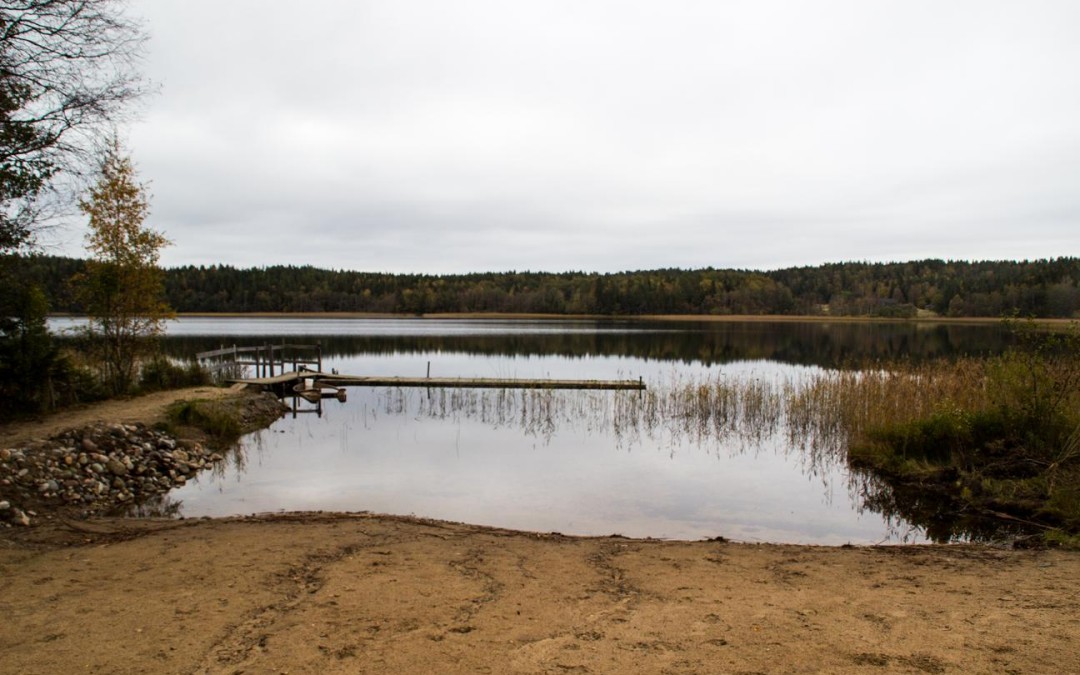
148, 409
340, 593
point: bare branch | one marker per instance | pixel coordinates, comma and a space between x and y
67, 73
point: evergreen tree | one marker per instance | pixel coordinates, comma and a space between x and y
27, 352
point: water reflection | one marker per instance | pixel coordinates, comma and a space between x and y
735, 436
749, 455
688, 458
154, 506
931, 511
815, 343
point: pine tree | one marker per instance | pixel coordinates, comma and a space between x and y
123, 287
27, 352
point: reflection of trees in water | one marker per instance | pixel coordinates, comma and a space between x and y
811, 417
931, 509
733, 415
822, 344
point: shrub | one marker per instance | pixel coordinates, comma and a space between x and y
210, 417
161, 374
1016, 452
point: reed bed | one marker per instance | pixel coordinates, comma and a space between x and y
975, 426
815, 411
847, 403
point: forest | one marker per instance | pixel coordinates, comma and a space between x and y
1038, 288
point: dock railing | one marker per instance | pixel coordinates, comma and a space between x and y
266, 360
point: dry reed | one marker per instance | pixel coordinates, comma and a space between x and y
820, 411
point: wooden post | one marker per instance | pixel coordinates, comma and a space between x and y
318, 352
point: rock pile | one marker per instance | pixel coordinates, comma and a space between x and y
95, 468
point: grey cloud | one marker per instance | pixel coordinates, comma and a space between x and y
429, 136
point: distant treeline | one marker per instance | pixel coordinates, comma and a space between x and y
1042, 288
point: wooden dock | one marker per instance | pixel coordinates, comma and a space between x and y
267, 360
270, 361
479, 383
287, 380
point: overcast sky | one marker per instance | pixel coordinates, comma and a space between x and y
468, 135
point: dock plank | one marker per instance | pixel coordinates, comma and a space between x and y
284, 378
454, 382
480, 383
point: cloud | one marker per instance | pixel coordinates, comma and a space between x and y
427, 136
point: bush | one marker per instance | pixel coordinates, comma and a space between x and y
951, 437
213, 418
161, 374
1018, 452
72, 381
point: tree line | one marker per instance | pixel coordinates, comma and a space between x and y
1039, 288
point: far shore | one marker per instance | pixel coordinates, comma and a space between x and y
689, 318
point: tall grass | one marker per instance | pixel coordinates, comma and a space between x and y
844, 405
217, 419
929, 441
823, 410
162, 373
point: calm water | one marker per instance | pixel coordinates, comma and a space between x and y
572, 462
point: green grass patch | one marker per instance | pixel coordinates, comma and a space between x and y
1060, 539
217, 419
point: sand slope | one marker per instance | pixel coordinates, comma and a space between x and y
331, 593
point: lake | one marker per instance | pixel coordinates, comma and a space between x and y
576, 462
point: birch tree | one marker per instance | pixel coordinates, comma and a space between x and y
123, 287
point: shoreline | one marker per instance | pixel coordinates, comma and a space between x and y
53, 446
119, 454
57, 453
673, 318
335, 592
361, 593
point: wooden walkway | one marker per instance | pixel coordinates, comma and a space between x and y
269, 362
286, 379
479, 383
265, 359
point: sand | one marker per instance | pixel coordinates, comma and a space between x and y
364, 593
